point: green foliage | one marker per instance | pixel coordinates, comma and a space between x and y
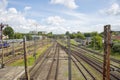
96, 42
116, 41
116, 48
72, 41
8, 31
67, 33
80, 35
18, 36
31, 59
115, 32
94, 34
50, 35
61, 36
39, 33
76, 35
87, 34
101, 34
28, 36
73, 35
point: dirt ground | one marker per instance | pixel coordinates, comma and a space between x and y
11, 73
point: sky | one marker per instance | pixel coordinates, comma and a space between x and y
59, 16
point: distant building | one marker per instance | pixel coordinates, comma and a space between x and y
41, 32
116, 37
38, 32
116, 33
37, 37
88, 40
33, 32
5, 37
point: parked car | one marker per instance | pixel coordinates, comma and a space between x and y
5, 44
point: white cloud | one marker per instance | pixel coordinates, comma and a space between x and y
114, 9
3, 4
55, 20
72, 21
27, 8
12, 11
89, 22
68, 3
17, 20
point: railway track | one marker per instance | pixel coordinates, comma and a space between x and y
19, 49
112, 59
47, 65
97, 65
100, 61
78, 63
41, 70
89, 73
17, 57
53, 71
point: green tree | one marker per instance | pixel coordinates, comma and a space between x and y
39, 33
80, 35
96, 42
50, 35
28, 36
87, 34
61, 36
18, 35
67, 33
116, 48
8, 31
73, 35
94, 34
101, 34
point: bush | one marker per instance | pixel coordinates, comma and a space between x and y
97, 42
116, 48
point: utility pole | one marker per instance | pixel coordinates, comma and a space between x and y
69, 58
1, 38
35, 48
13, 48
94, 43
107, 48
25, 59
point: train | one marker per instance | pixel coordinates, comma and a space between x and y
5, 44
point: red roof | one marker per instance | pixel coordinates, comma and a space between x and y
116, 37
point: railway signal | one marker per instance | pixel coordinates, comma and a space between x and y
107, 47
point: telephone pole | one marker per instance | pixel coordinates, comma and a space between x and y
35, 48
69, 58
107, 47
25, 60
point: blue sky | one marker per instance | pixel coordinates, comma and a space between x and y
60, 16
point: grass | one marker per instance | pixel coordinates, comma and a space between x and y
72, 41
60, 42
30, 58
115, 55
